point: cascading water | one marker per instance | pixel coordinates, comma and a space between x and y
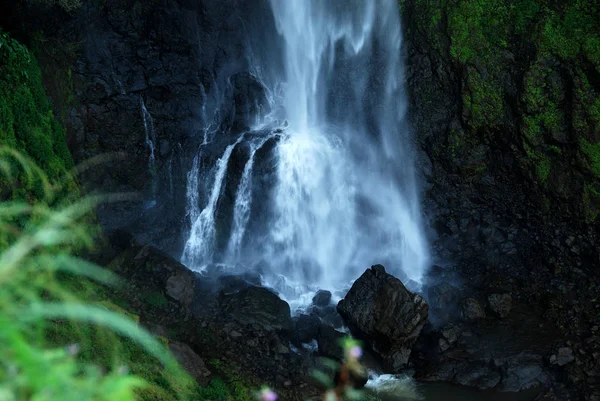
343, 194
150, 139
200, 246
243, 203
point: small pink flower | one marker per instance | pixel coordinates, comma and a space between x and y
266, 394
355, 352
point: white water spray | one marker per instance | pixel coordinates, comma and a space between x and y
344, 194
243, 203
150, 139
199, 248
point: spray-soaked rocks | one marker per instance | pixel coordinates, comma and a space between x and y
381, 311
322, 298
306, 328
259, 308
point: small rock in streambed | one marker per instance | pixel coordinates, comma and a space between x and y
449, 336
500, 304
563, 356
471, 309
322, 298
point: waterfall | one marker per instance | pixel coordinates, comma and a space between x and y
200, 245
342, 192
150, 140
243, 203
346, 195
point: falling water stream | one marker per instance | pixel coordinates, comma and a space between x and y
150, 139
342, 194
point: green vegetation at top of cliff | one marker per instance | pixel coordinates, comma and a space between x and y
27, 122
528, 74
479, 28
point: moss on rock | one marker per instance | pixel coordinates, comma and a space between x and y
27, 122
527, 71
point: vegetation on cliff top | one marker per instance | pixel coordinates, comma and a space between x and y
539, 58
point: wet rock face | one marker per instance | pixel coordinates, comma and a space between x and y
306, 328
249, 328
380, 310
509, 224
322, 298
184, 60
260, 308
328, 340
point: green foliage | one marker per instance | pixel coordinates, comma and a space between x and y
155, 299
592, 153
27, 123
476, 26
524, 12
484, 99
543, 168
555, 149
218, 390
574, 28
40, 317
586, 106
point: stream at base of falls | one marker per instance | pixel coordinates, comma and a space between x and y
390, 388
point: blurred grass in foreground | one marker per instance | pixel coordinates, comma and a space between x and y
54, 345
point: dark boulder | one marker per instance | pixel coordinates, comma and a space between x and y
329, 341
500, 304
471, 309
306, 328
322, 298
382, 312
156, 278
232, 283
260, 308
180, 286
191, 362
328, 314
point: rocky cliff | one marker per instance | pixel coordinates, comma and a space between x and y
140, 83
504, 102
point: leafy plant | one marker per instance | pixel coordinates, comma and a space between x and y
343, 383
33, 299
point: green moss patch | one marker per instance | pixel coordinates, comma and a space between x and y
592, 153
27, 123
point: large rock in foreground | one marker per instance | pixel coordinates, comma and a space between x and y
382, 312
